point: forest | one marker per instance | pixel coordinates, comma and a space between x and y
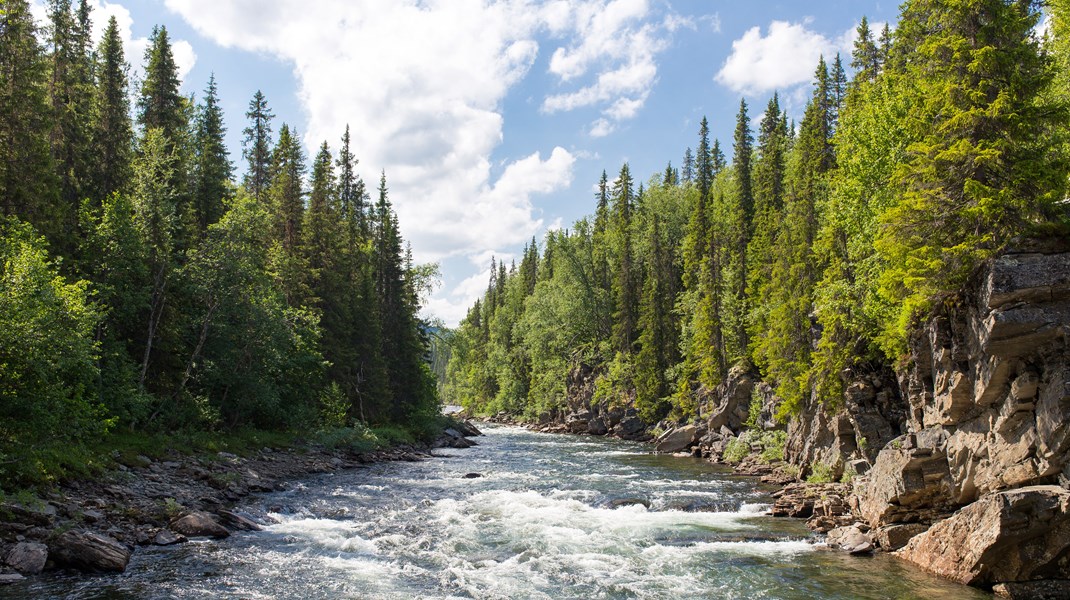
807, 257
145, 291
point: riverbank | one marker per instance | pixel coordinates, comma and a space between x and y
95, 524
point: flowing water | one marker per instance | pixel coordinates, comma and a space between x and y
552, 517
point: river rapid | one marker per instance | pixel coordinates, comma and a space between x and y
550, 517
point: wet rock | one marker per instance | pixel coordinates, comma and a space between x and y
468, 429
9, 578
239, 521
630, 427
894, 537
199, 524
471, 475
597, 426
1034, 590
166, 537
28, 557
1008, 536
577, 422
621, 502
678, 439
89, 551
850, 539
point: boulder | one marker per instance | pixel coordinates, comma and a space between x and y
577, 422
597, 426
850, 539
28, 557
1009, 536
629, 427
239, 521
678, 439
89, 551
894, 537
9, 578
166, 537
621, 502
199, 524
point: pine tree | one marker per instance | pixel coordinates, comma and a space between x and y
287, 190
687, 172
212, 168
28, 186
601, 234
704, 161
625, 285
70, 94
865, 59
741, 161
717, 159
161, 105
256, 147
112, 128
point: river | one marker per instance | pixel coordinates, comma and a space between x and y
551, 517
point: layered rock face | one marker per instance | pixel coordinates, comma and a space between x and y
873, 414
988, 390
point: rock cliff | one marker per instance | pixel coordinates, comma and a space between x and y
987, 390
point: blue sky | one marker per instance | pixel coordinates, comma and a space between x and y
494, 119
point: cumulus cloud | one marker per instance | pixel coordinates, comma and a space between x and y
133, 47
620, 41
786, 56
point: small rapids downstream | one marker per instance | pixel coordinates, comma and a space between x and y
552, 517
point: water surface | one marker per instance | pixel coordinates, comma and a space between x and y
552, 517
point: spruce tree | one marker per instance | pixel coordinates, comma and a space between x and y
865, 59
256, 146
687, 171
212, 168
70, 94
741, 161
625, 285
111, 126
28, 186
160, 104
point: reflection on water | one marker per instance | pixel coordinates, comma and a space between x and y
553, 517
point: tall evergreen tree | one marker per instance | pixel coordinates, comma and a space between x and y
70, 93
256, 146
112, 128
865, 59
704, 161
160, 104
28, 187
212, 168
741, 161
625, 285
687, 171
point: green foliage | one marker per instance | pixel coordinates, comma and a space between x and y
737, 449
821, 473
47, 361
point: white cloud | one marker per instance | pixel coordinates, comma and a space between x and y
785, 57
620, 42
134, 48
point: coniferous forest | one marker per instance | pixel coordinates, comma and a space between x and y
807, 256
144, 290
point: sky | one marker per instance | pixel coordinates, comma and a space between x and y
494, 119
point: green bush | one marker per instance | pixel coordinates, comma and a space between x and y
821, 473
737, 449
772, 446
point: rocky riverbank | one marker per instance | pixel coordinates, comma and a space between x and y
96, 525
958, 460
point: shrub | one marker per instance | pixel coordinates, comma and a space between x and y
821, 473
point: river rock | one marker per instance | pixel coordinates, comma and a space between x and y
468, 429
850, 539
597, 426
678, 439
577, 422
1058, 589
629, 427
9, 578
239, 521
89, 551
621, 502
1008, 536
199, 524
166, 537
28, 557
